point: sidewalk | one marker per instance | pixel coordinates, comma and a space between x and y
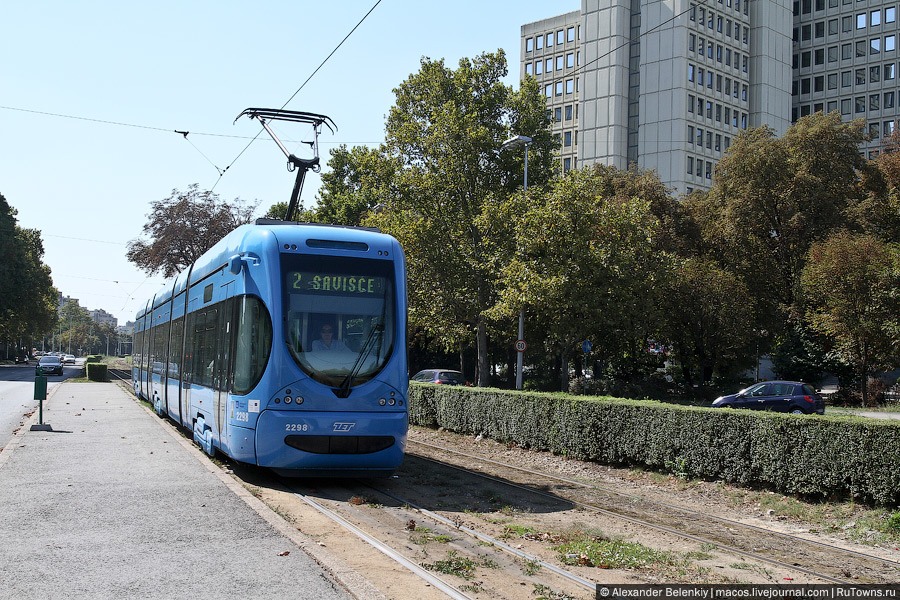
114, 504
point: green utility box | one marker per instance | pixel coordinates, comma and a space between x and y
40, 386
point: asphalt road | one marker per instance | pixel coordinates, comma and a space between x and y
17, 395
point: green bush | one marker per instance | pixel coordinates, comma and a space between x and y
812, 456
96, 371
93, 358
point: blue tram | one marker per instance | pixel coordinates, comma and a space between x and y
284, 346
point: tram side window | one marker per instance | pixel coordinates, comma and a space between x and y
203, 346
136, 348
253, 344
151, 350
175, 347
145, 350
158, 359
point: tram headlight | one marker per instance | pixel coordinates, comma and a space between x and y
287, 400
382, 401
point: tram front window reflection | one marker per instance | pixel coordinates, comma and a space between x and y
339, 316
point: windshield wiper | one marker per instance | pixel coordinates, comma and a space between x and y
344, 390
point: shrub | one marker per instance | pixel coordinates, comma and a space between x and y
96, 371
812, 456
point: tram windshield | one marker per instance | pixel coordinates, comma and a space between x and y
339, 316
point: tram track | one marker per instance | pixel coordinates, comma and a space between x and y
386, 508
444, 553
814, 558
443, 522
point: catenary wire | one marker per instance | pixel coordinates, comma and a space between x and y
258, 133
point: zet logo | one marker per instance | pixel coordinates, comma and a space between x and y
343, 426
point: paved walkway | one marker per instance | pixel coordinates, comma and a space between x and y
114, 504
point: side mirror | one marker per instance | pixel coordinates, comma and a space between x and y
235, 264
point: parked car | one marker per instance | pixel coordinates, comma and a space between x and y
69, 359
50, 365
443, 376
779, 396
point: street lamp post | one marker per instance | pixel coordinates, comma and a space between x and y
514, 142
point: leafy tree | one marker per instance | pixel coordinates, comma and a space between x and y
445, 131
184, 226
361, 179
851, 285
709, 321
879, 212
27, 295
586, 267
778, 196
76, 329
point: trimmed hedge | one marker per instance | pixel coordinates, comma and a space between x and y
816, 456
95, 371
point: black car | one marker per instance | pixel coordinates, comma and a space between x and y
443, 376
49, 365
778, 396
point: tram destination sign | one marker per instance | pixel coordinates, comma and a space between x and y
335, 284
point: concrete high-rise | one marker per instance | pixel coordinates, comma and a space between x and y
668, 84
845, 59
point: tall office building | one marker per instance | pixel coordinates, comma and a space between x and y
845, 59
551, 52
669, 84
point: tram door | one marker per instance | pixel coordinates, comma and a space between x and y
145, 359
222, 378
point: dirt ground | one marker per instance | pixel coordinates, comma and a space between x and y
474, 503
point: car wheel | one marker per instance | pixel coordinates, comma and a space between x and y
797, 411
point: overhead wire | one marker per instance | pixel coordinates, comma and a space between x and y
628, 41
258, 133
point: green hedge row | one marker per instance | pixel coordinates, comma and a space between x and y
95, 371
814, 456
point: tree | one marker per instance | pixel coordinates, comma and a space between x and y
184, 226
27, 295
586, 267
360, 179
445, 131
879, 212
709, 322
851, 285
778, 196
76, 329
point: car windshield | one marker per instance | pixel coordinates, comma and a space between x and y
339, 315
49, 359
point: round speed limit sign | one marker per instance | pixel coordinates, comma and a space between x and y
521, 345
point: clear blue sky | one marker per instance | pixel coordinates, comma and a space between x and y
127, 75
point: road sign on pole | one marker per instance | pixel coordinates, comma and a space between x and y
521, 345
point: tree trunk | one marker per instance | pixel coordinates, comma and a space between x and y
484, 368
563, 372
865, 379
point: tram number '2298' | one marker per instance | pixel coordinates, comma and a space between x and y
296, 427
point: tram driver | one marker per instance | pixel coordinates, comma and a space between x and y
327, 342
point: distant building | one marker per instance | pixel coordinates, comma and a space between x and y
63, 300
103, 318
669, 84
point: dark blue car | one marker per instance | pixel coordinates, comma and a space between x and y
49, 365
778, 396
